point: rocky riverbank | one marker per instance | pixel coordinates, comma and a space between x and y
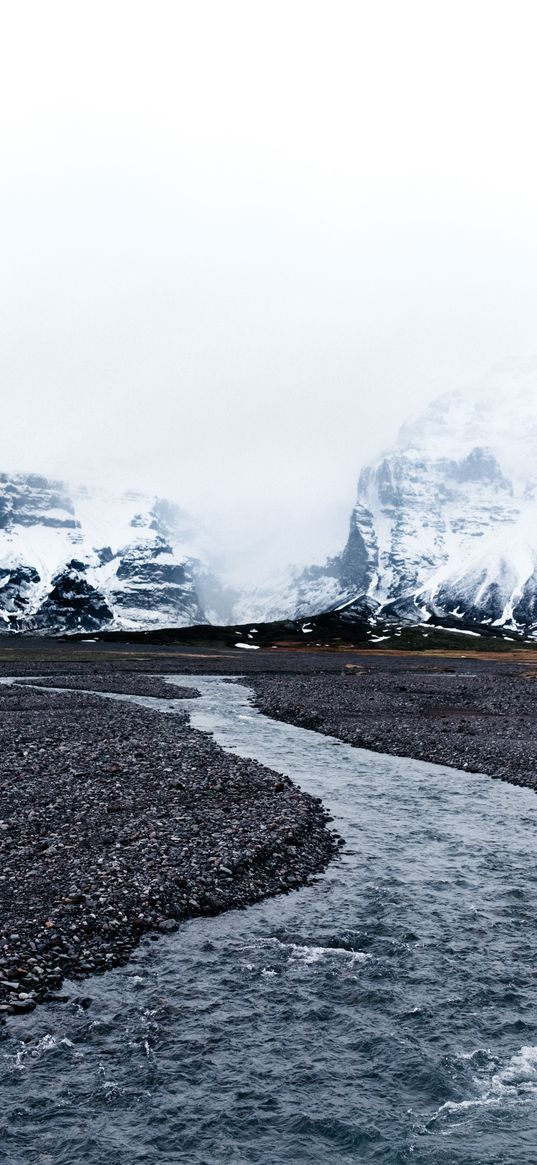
474, 715
117, 820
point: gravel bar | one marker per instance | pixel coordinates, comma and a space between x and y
116, 821
467, 714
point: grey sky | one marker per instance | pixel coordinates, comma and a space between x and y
241, 241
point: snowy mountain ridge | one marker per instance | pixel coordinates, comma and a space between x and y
445, 524
444, 528
77, 559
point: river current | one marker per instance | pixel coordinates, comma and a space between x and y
385, 1013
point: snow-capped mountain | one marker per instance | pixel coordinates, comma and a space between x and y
76, 559
445, 524
290, 594
444, 527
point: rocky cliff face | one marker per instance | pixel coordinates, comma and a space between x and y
445, 524
84, 560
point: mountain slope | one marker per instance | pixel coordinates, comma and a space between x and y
82, 560
445, 524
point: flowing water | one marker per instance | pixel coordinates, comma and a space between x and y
388, 1012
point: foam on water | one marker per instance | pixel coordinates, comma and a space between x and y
513, 1084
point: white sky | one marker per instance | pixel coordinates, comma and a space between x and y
241, 241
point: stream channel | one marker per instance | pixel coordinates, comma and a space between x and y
385, 1013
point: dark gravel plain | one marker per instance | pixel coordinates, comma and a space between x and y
478, 715
116, 820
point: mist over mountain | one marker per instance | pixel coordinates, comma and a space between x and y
444, 527
445, 523
83, 560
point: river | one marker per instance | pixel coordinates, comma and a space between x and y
388, 1012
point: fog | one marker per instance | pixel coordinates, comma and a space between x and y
241, 242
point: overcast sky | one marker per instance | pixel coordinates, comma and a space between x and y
241, 241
